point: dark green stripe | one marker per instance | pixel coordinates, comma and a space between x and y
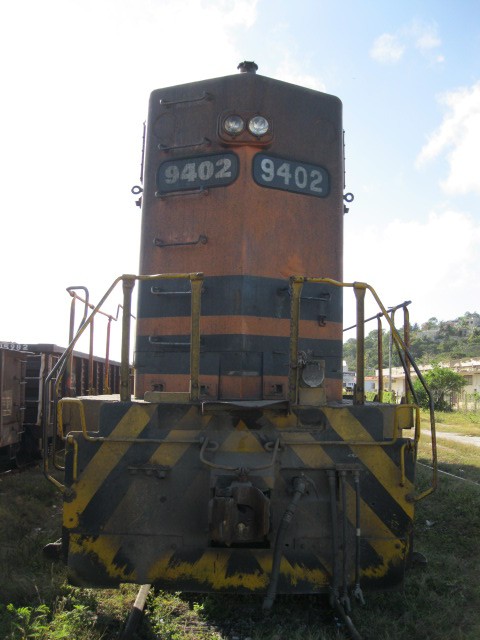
223, 354
239, 296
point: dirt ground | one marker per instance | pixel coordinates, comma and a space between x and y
475, 440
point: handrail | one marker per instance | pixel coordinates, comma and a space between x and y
71, 333
296, 285
110, 317
128, 283
67, 368
406, 357
273, 448
406, 333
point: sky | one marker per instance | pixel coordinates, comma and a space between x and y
76, 77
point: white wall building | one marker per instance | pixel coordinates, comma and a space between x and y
469, 368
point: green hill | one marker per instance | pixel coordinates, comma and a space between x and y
431, 342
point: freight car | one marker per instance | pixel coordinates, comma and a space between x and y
12, 397
23, 371
237, 466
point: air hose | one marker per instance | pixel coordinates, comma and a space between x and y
299, 488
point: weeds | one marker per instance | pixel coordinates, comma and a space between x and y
438, 602
465, 423
23, 623
457, 458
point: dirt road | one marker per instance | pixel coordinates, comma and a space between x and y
457, 437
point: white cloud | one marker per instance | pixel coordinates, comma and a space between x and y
78, 77
387, 48
425, 36
390, 48
433, 263
289, 71
458, 137
289, 62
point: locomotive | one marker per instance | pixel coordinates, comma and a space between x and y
238, 466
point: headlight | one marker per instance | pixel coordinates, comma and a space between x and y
258, 125
233, 125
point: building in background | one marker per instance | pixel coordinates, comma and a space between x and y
468, 368
349, 379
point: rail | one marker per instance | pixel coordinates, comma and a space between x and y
406, 339
110, 318
296, 284
67, 368
360, 289
128, 283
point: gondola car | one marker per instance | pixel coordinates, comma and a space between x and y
237, 466
12, 398
23, 371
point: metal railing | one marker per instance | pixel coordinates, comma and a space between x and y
55, 376
406, 339
296, 285
406, 358
110, 318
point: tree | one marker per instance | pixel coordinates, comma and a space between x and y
350, 353
442, 382
432, 323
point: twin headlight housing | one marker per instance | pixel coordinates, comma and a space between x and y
257, 125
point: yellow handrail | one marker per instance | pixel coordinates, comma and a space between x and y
128, 283
360, 288
196, 280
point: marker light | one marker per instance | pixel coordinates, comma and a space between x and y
258, 125
313, 374
233, 125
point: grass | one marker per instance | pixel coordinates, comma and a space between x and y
446, 597
463, 422
215, 617
29, 518
462, 460
458, 458
439, 601
35, 601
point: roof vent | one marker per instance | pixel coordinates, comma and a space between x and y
247, 67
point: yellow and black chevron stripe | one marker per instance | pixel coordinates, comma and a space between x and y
136, 508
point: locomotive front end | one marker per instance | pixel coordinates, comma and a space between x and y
238, 466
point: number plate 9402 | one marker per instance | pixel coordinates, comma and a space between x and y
299, 177
196, 173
